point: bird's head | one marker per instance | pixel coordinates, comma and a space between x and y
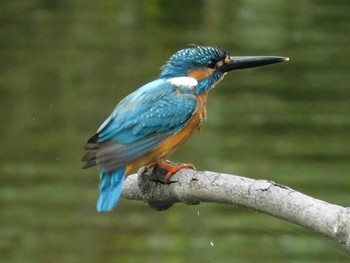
208, 65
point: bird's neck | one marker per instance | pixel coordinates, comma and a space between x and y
204, 83
204, 86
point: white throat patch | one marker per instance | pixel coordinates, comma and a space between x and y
184, 82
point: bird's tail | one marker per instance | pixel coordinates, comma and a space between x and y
111, 185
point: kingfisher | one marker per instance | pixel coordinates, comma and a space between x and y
157, 118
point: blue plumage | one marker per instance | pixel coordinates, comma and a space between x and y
154, 108
186, 60
110, 189
139, 123
142, 121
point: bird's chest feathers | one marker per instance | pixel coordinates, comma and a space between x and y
197, 118
201, 112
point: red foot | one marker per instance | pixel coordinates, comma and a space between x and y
174, 168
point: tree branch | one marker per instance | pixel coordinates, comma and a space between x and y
193, 187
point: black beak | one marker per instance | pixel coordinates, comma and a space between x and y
250, 62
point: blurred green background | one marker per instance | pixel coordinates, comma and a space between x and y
66, 64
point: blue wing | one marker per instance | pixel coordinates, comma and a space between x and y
140, 122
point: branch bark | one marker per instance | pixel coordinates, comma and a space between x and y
193, 187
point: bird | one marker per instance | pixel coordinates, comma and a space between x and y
151, 122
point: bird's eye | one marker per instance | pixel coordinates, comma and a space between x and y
211, 64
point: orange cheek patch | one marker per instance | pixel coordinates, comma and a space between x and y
200, 74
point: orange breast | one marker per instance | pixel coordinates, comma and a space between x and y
173, 142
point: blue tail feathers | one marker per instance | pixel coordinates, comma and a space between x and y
111, 185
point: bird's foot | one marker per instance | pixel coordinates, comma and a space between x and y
163, 171
173, 168
152, 166
157, 172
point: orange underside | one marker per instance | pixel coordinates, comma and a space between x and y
169, 145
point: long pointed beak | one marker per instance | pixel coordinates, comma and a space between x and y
250, 62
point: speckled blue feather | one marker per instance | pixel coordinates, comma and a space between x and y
156, 107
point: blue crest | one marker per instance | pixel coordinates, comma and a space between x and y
188, 59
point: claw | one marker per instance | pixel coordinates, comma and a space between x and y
152, 166
174, 168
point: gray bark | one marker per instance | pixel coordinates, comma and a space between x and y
193, 187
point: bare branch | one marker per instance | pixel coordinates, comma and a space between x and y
193, 187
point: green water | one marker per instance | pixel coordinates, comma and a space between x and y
64, 65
